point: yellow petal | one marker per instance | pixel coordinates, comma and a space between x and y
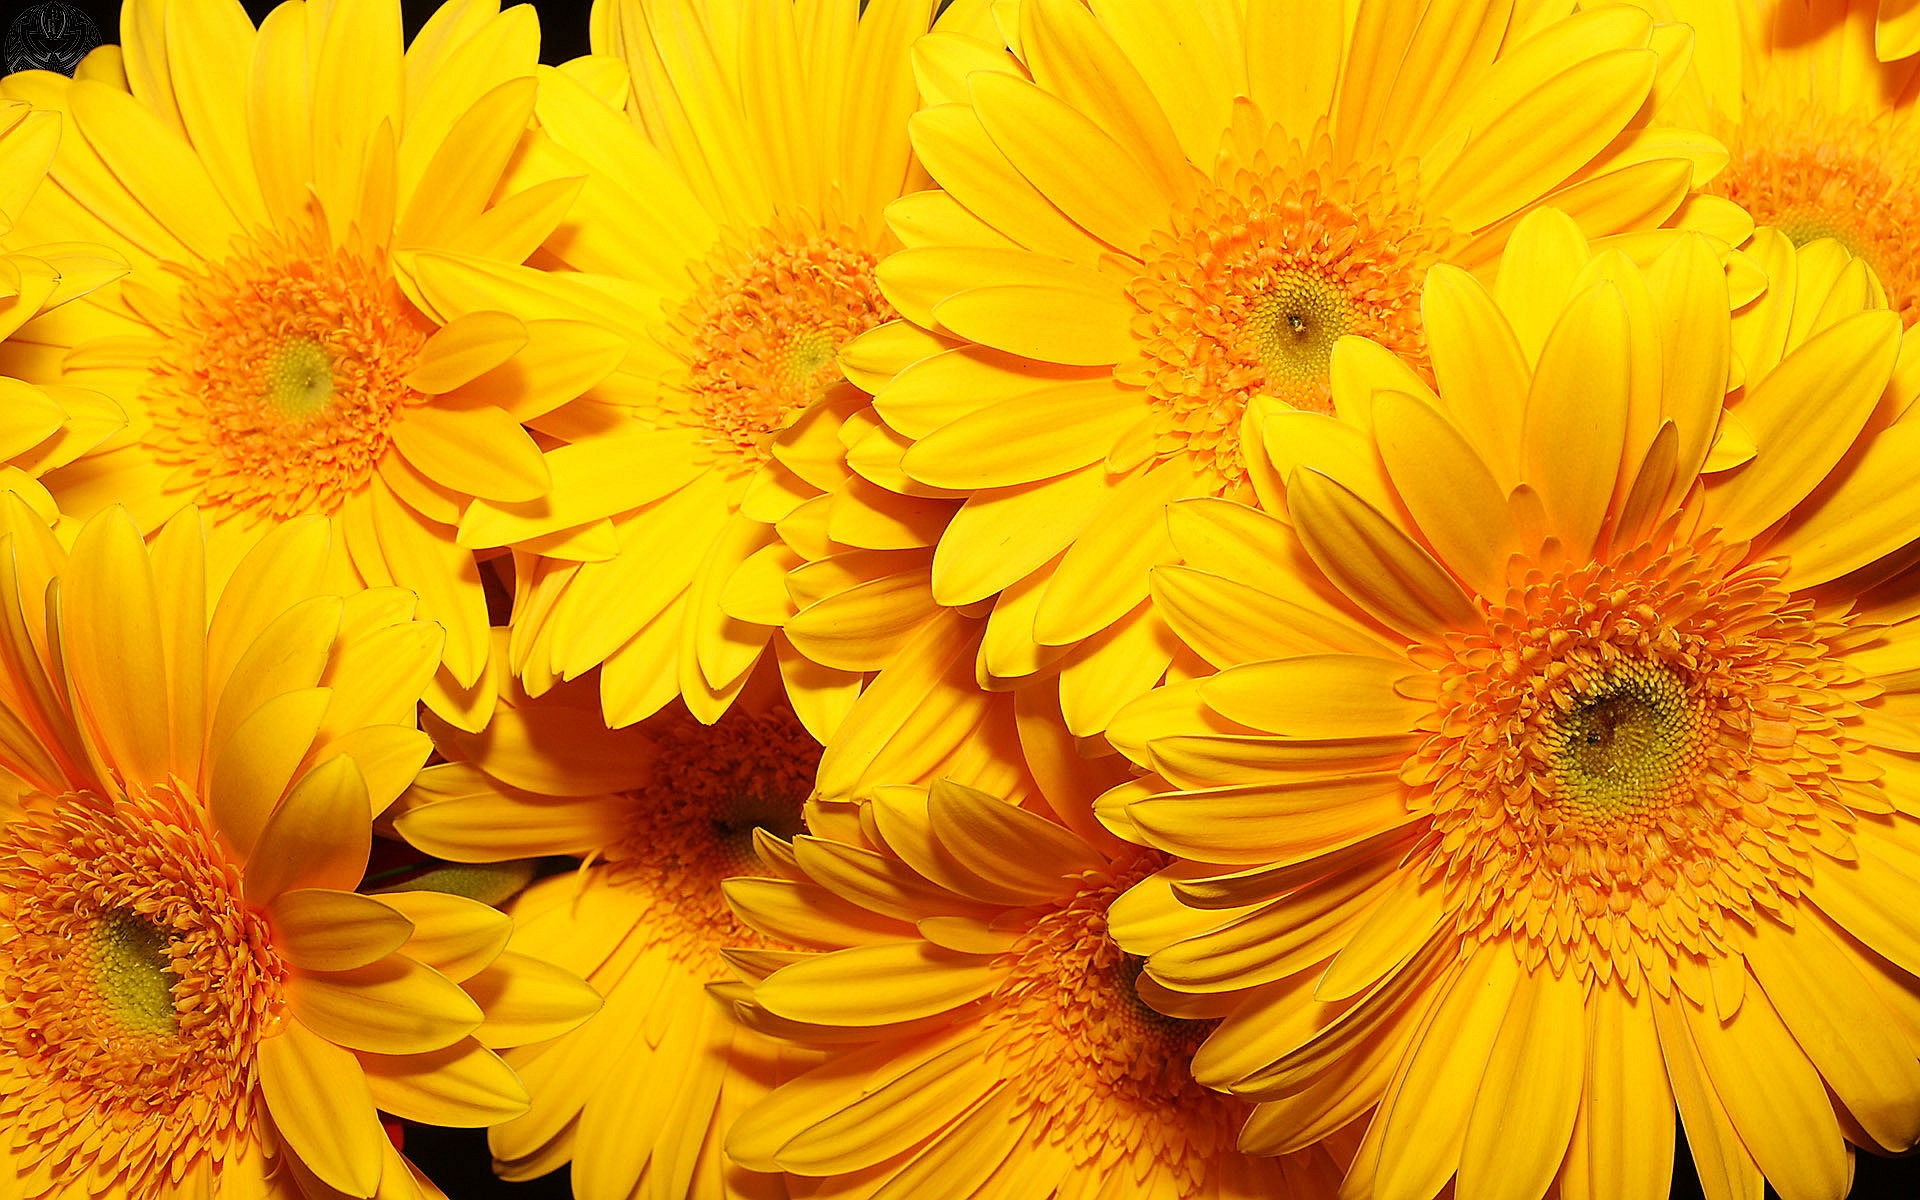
1630, 1150
1804, 415
1773, 1097
1873, 511
478, 451
1428, 1107
393, 1006
252, 768
1836, 1017
1321, 696
321, 929
1379, 567
1100, 186
1448, 488
1521, 153
464, 349
455, 936
876, 985
1577, 415
1524, 1113
111, 637
526, 1000
318, 1097
319, 836
464, 1086
1070, 326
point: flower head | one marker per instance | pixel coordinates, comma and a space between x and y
1555, 771
195, 997
662, 811
711, 455
958, 975
1819, 133
1080, 356
270, 345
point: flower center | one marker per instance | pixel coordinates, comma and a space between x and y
134, 973
1815, 175
1629, 741
134, 985
692, 825
1246, 293
278, 380
1631, 751
763, 333
300, 381
1091, 1058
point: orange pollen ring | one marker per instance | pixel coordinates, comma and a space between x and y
1098, 1065
1246, 293
763, 333
1595, 780
692, 824
134, 985
1813, 174
276, 385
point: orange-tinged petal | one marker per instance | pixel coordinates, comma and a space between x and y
1630, 1148
1523, 1116
393, 1006
455, 936
526, 1000
478, 451
318, 837
318, 1097
463, 1086
252, 768
876, 984
1379, 567
321, 929
1321, 696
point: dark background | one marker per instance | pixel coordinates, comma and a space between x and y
456, 1159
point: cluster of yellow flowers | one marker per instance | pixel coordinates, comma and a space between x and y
1025, 599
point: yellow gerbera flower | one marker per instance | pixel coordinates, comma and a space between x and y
756, 155
270, 346
193, 998
1821, 135
982, 1032
1154, 214
1546, 782
663, 811
41, 427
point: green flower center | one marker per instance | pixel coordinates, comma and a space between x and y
1624, 743
1292, 328
300, 380
135, 973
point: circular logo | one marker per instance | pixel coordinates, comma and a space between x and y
50, 36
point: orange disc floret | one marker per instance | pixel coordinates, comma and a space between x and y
134, 985
1246, 293
1631, 752
692, 823
1068, 998
1813, 174
278, 383
763, 333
